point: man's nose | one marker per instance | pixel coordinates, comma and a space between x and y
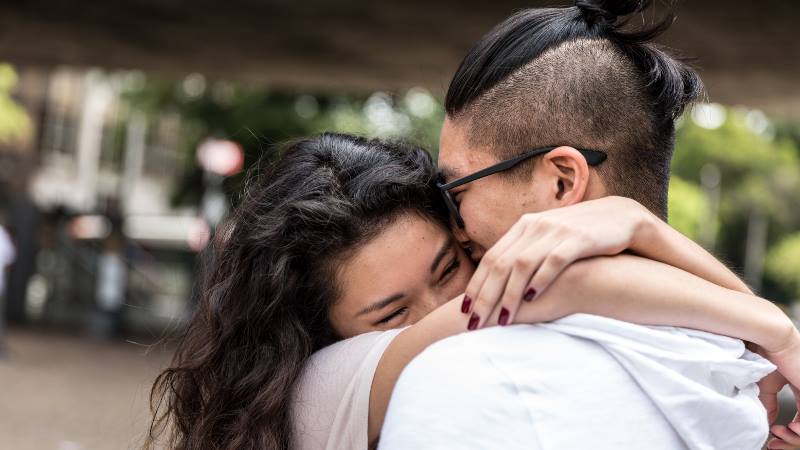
461, 236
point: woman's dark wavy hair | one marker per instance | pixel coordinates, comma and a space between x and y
263, 307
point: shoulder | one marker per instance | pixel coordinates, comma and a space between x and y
331, 398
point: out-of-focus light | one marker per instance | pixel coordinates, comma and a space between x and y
757, 121
223, 92
198, 235
90, 227
306, 106
220, 156
382, 118
710, 176
164, 230
420, 102
709, 115
133, 80
194, 85
36, 296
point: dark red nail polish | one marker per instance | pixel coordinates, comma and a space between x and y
503, 319
473, 322
465, 304
529, 294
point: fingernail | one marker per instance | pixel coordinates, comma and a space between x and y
529, 294
503, 319
473, 322
465, 304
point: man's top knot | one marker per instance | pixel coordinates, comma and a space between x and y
606, 12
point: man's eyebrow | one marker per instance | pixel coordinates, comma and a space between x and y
447, 173
443, 250
380, 304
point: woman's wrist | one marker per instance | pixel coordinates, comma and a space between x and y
784, 337
648, 232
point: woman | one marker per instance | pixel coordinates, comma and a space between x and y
340, 238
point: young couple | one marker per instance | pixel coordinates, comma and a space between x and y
349, 257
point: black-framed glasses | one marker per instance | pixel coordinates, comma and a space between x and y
593, 158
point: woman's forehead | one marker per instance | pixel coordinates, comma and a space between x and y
396, 260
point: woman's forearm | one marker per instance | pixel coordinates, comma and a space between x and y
647, 292
658, 241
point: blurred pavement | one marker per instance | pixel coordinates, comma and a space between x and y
71, 393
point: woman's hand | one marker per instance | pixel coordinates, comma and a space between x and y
787, 358
524, 262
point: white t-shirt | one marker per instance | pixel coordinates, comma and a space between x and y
580, 382
330, 404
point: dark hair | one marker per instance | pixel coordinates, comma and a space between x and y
577, 76
264, 305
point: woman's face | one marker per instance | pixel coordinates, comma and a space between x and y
413, 266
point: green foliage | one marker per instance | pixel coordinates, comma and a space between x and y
14, 121
759, 164
686, 202
783, 263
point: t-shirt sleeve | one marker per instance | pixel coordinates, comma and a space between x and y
330, 403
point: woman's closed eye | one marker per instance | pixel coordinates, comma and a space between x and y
392, 316
450, 269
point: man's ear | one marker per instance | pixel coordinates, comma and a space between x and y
567, 168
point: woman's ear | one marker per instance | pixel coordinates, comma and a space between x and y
567, 168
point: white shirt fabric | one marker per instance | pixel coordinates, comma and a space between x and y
580, 382
330, 403
7, 256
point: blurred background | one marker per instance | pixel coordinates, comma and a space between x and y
126, 128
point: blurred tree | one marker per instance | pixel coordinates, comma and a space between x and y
783, 263
686, 202
14, 121
260, 118
759, 176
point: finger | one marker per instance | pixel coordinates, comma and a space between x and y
525, 265
785, 434
561, 256
778, 444
491, 291
487, 263
794, 427
771, 405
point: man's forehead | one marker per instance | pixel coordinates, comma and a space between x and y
458, 156
456, 163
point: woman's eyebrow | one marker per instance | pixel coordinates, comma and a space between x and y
443, 250
380, 304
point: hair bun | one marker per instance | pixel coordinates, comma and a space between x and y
606, 12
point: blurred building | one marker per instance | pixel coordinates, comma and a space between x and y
91, 185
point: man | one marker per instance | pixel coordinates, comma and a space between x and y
551, 108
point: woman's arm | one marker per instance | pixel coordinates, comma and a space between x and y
526, 260
656, 240
623, 287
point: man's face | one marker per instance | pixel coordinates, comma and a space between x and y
490, 205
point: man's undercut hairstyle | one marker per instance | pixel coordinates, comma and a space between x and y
578, 76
